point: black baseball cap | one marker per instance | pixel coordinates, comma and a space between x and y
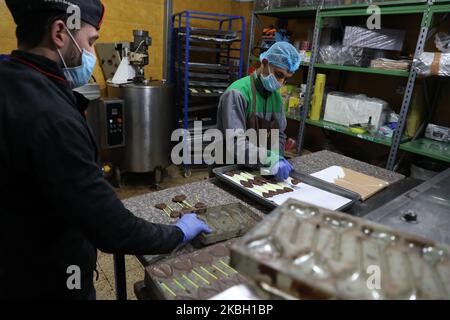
92, 11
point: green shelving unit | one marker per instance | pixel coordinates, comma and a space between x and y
428, 148
288, 12
424, 146
345, 130
395, 73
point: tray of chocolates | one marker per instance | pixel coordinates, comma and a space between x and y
227, 222
311, 253
200, 275
268, 191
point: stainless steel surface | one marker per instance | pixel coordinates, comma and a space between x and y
423, 211
149, 113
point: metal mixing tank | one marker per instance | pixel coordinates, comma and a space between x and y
149, 125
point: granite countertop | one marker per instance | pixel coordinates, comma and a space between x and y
213, 193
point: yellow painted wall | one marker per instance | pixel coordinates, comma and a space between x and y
123, 16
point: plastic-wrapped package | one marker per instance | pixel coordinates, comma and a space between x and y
353, 109
384, 39
433, 64
442, 42
393, 117
438, 133
341, 55
331, 3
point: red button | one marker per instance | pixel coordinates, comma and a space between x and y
119, 120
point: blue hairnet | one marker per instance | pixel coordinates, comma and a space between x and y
283, 55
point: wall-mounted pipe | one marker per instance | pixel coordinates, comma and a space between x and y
167, 53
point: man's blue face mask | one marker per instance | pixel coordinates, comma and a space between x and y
270, 83
79, 76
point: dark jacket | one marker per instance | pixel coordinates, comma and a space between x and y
56, 209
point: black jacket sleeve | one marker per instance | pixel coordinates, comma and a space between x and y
70, 180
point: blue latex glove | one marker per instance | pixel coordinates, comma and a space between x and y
282, 169
192, 226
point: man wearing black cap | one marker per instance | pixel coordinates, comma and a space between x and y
55, 207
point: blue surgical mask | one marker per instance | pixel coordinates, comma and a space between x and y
79, 76
270, 83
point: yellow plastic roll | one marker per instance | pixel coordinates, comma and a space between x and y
319, 91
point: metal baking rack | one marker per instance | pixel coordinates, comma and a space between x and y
207, 61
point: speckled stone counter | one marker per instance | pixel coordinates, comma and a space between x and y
213, 193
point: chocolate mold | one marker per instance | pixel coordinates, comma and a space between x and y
312, 253
227, 222
196, 276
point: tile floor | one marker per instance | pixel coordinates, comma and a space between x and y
105, 285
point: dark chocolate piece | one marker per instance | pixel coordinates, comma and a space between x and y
200, 205
161, 206
246, 184
179, 198
201, 208
175, 214
220, 251
162, 271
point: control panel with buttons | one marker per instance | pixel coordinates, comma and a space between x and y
114, 117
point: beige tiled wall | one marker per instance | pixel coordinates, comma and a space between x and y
123, 16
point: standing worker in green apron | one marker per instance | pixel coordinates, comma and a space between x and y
254, 102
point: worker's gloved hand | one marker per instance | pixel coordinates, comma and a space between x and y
278, 165
282, 169
192, 226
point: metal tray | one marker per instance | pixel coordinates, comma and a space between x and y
312, 253
207, 66
199, 275
312, 181
214, 76
208, 40
227, 222
210, 32
207, 49
202, 94
208, 84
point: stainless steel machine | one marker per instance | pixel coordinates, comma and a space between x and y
106, 118
149, 105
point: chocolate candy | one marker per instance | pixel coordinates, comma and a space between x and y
200, 205
161, 206
201, 208
247, 184
175, 214
295, 182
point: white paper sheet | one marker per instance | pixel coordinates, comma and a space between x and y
313, 196
302, 192
330, 174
